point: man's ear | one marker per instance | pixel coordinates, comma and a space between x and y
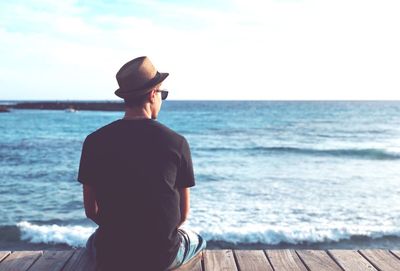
152, 96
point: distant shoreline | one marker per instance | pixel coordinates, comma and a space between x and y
6, 106
67, 105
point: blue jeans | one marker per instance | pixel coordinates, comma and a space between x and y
191, 245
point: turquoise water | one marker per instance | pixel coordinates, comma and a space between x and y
268, 173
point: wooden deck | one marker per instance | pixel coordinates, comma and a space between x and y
215, 260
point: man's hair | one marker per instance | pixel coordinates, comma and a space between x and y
140, 100
136, 101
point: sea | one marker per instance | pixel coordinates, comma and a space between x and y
269, 174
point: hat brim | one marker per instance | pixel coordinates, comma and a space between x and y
159, 78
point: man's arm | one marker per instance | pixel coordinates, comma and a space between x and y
89, 201
184, 194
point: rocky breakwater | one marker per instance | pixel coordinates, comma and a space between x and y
4, 109
75, 106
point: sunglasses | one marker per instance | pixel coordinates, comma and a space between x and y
164, 94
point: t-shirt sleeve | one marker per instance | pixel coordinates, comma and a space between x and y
185, 176
87, 163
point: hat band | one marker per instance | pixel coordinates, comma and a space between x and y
151, 83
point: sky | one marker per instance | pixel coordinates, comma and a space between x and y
213, 50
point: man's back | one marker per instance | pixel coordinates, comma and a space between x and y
136, 168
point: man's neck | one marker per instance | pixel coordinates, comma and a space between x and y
137, 113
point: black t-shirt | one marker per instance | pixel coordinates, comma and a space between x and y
136, 168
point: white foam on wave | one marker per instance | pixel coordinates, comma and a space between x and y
75, 236
273, 235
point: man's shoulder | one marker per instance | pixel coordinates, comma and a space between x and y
102, 131
154, 126
166, 131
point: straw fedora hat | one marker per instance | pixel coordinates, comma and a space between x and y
137, 77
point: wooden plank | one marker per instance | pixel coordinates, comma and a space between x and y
80, 261
52, 261
381, 259
351, 260
252, 260
396, 253
4, 254
318, 260
19, 260
218, 260
285, 260
193, 265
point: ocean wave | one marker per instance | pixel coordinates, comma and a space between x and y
76, 236
73, 235
274, 235
372, 154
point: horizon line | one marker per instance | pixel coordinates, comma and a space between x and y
209, 100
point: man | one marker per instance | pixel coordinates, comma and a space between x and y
136, 175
